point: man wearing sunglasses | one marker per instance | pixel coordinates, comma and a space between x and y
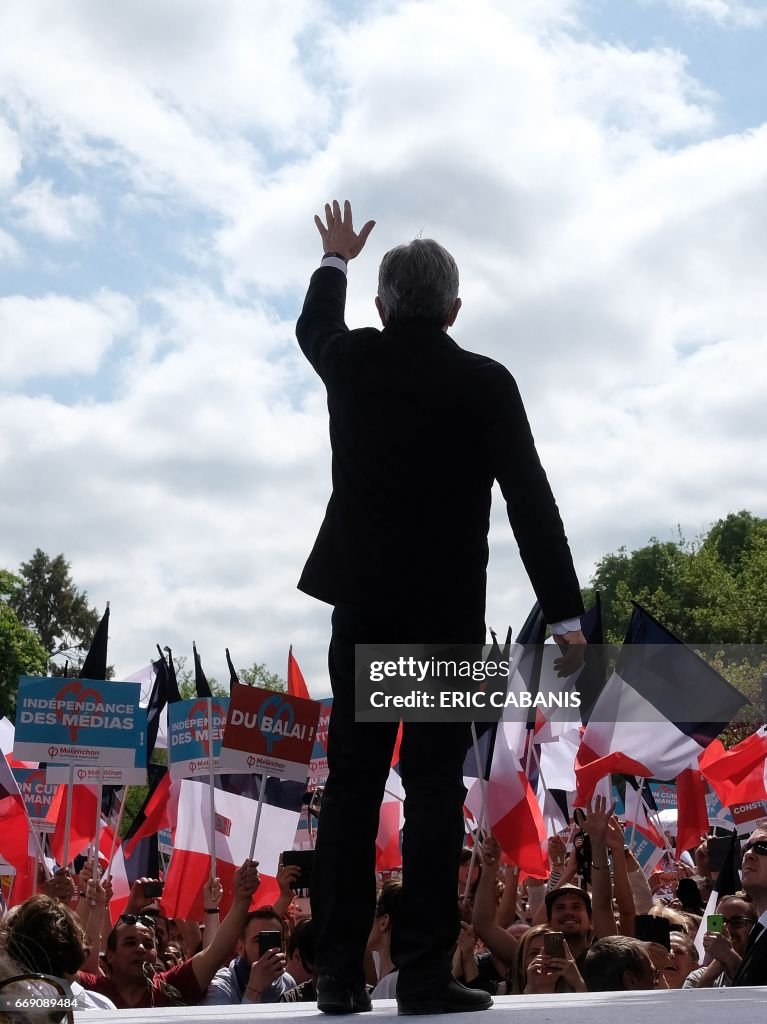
726, 948
131, 956
753, 968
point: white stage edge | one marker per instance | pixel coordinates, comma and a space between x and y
683, 1007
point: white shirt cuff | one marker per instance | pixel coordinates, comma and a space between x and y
566, 626
333, 261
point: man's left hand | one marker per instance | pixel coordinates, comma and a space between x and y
572, 647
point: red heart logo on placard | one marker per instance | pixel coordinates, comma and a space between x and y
75, 691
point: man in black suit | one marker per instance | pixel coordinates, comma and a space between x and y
753, 967
419, 429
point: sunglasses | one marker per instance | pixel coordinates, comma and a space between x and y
37, 999
759, 848
738, 922
144, 919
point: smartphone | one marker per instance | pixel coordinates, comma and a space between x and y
554, 944
653, 929
267, 941
305, 860
152, 890
715, 923
718, 846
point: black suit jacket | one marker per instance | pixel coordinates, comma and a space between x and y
419, 429
753, 967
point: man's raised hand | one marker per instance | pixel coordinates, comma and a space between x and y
338, 234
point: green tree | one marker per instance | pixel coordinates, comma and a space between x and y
709, 591
21, 653
259, 675
49, 603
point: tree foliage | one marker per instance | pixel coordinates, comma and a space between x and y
21, 653
710, 592
49, 603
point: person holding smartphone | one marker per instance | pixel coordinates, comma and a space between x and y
258, 973
725, 940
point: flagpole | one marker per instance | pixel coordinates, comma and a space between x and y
655, 819
97, 837
261, 790
68, 814
108, 872
633, 823
472, 862
484, 822
211, 791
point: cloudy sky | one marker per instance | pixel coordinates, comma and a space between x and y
597, 167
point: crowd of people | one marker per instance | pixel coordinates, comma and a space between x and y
529, 936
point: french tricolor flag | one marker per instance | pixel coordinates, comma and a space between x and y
233, 826
660, 709
514, 816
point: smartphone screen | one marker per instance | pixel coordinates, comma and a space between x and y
653, 929
269, 940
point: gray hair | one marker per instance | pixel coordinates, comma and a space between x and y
418, 282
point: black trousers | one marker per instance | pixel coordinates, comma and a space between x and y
343, 889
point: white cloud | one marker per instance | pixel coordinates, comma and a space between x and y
10, 155
610, 246
57, 336
61, 218
733, 13
10, 250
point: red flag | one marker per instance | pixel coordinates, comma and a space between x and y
82, 824
157, 814
296, 683
737, 775
692, 815
14, 827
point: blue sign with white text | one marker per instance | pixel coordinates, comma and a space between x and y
78, 721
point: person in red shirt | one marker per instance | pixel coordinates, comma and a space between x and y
131, 956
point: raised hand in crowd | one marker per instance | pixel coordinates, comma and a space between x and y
621, 883
506, 914
212, 894
137, 900
596, 825
702, 862
60, 886
287, 876
464, 962
557, 851
499, 942
596, 822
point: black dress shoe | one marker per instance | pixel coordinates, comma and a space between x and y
453, 998
336, 996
